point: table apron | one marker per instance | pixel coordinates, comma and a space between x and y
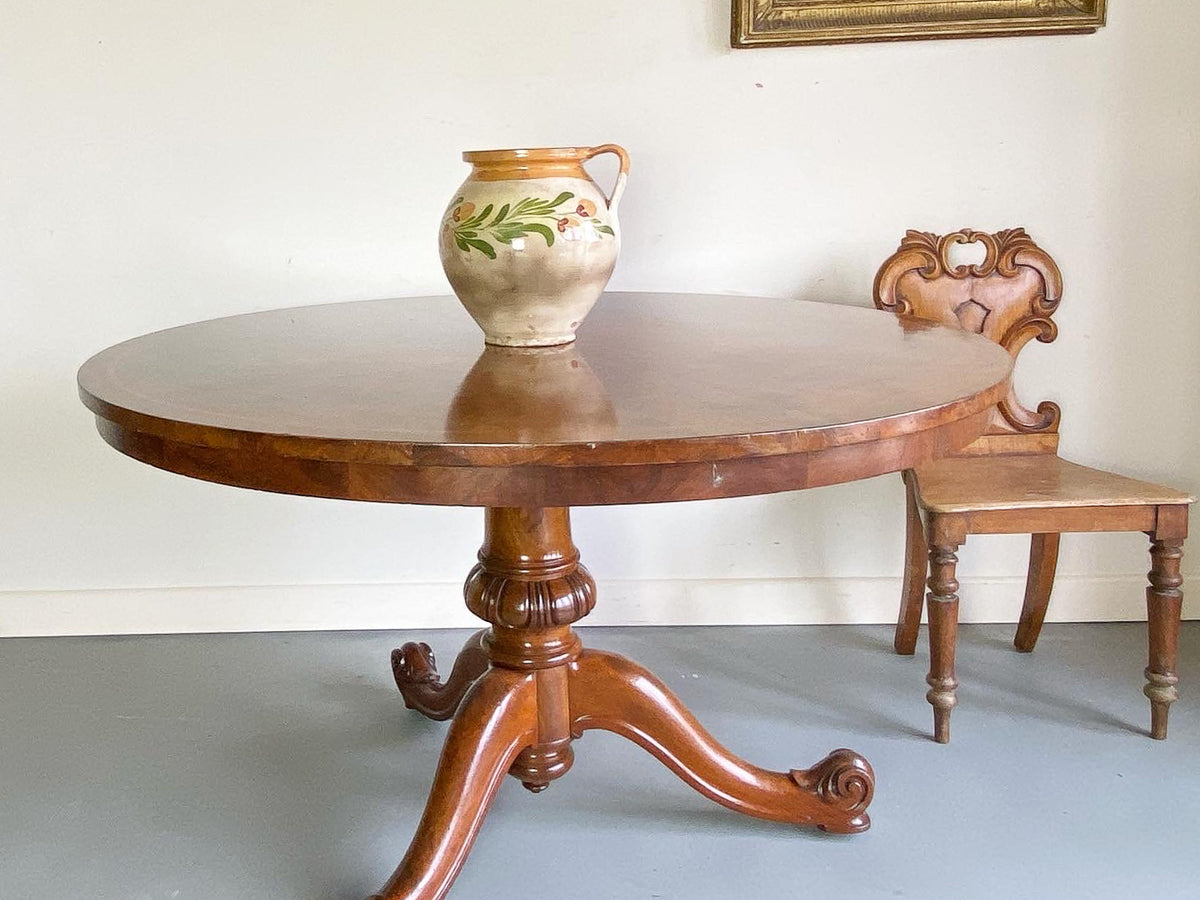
544, 486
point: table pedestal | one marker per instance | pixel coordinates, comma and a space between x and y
523, 690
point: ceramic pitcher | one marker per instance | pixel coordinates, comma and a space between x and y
530, 241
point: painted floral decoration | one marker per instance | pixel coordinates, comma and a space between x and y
477, 231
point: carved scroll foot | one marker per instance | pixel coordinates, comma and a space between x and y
845, 780
615, 694
416, 676
497, 720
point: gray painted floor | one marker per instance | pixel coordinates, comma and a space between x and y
285, 766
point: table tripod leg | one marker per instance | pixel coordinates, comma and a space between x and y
497, 720
416, 675
540, 690
611, 692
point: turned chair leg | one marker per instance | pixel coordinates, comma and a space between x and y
1164, 606
912, 595
943, 633
1043, 561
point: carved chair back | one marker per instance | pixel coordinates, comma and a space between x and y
1008, 297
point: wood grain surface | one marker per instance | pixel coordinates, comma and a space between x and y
663, 397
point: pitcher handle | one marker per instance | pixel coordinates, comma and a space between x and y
622, 176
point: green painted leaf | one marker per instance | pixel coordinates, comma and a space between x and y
606, 230
500, 215
467, 234
476, 220
483, 247
462, 244
542, 207
542, 230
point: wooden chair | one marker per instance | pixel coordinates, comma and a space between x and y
1011, 480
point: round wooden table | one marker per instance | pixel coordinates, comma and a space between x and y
663, 397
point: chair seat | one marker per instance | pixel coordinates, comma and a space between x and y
1030, 481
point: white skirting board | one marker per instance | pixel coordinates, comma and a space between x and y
339, 607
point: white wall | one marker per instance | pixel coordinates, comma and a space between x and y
167, 162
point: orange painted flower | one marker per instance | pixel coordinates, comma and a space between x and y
562, 224
463, 211
586, 208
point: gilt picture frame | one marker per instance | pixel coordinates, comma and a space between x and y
765, 23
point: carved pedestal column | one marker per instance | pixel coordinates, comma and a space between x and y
539, 691
530, 586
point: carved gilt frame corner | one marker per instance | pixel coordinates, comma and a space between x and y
765, 23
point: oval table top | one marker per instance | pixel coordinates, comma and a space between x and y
662, 397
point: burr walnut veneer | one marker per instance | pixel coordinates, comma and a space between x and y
663, 397
1011, 480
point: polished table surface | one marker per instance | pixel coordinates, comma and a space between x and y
399, 400
663, 397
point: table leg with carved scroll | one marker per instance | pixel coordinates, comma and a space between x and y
538, 690
415, 671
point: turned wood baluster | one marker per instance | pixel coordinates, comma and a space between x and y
1164, 605
530, 586
942, 603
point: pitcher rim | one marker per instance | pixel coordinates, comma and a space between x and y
530, 154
